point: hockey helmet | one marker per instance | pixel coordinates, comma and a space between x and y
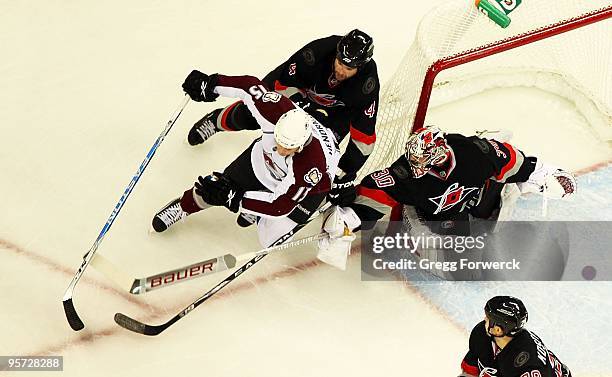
426, 148
355, 49
293, 129
507, 312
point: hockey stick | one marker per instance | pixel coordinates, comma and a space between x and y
151, 330
71, 315
141, 328
207, 267
139, 286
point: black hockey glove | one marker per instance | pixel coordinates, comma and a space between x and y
343, 191
217, 190
200, 86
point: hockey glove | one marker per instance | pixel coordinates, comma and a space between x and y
343, 191
200, 86
550, 181
217, 190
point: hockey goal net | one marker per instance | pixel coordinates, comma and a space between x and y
561, 46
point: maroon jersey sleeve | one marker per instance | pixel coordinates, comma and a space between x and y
265, 105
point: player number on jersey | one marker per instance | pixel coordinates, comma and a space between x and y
383, 178
260, 92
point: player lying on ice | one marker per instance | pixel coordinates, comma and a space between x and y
500, 345
293, 162
446, 180
334, 79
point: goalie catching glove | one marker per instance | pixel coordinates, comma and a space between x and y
338, 225
550, 181
218, 190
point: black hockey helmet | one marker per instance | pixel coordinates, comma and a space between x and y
507, 312
355, 49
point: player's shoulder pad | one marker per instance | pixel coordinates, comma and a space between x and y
479, 330
478, 336
318, 49
483, 145
370, 83
309, 164
400, 169
524, 353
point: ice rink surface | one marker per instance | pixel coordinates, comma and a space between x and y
85, 88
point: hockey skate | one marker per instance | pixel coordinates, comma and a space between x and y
168, 216
203, 129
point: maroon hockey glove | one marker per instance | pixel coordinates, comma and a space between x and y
200, 86
218, 190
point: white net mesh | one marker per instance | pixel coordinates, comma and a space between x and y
575, 64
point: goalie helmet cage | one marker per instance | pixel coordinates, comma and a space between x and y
562, 46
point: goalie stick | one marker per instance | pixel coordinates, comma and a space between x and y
71, 315
151, 330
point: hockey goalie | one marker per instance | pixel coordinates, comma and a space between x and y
443, 184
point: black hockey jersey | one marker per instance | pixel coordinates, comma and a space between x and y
351, 105
446, 193
525, 356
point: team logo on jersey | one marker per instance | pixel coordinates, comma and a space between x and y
451, 197
327, 100
486, 371
370, 111
309, 56
313, 176
521, 359
274, 170
368, 86
271, 97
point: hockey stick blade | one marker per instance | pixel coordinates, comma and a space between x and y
71, 315
133, 325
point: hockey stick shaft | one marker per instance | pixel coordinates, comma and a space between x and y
151, 330
141, 328
71, 315
207, 267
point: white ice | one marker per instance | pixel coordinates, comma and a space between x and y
86, 87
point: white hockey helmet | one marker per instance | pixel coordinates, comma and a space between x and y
293, 129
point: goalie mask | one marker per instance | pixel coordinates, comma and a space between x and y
425, 149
